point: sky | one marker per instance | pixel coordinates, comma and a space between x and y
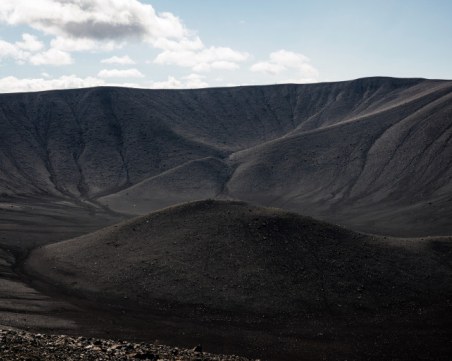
59, 44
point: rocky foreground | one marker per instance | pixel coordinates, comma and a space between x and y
20, 345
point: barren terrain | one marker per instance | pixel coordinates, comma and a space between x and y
372, 154
88, 247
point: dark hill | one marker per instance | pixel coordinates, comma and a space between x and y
234, 257
269, 283
373, 154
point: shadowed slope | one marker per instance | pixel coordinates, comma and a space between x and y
383, 166
373, 154
387, 172
232, 257
198, 179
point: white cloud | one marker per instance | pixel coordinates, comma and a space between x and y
269, 68
28, 50
51, 57
84, 44
204, 59
296, 66
185, 44
104, 25
20, 51
288, 58
224, 65
12, 84
70, 44
170, 83
122, 60
30, 43
93, 19
195, 81
187, 82
120, 73
126, 85
8, 50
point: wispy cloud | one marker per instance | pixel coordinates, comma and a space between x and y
121, 60
187, 82
120, 73
297, 67
12, 51
30, 43
51, 57
202, 59
29, 50
12, 84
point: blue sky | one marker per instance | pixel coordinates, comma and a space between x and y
49, 44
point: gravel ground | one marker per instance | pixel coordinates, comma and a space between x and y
20, 345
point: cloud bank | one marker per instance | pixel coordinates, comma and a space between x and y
64, 31
81, 25
93, 19
11, 84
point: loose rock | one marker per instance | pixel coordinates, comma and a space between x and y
22, 346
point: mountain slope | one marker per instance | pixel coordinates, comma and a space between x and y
397, 159
373, 154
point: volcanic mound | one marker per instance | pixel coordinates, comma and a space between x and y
233, 257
